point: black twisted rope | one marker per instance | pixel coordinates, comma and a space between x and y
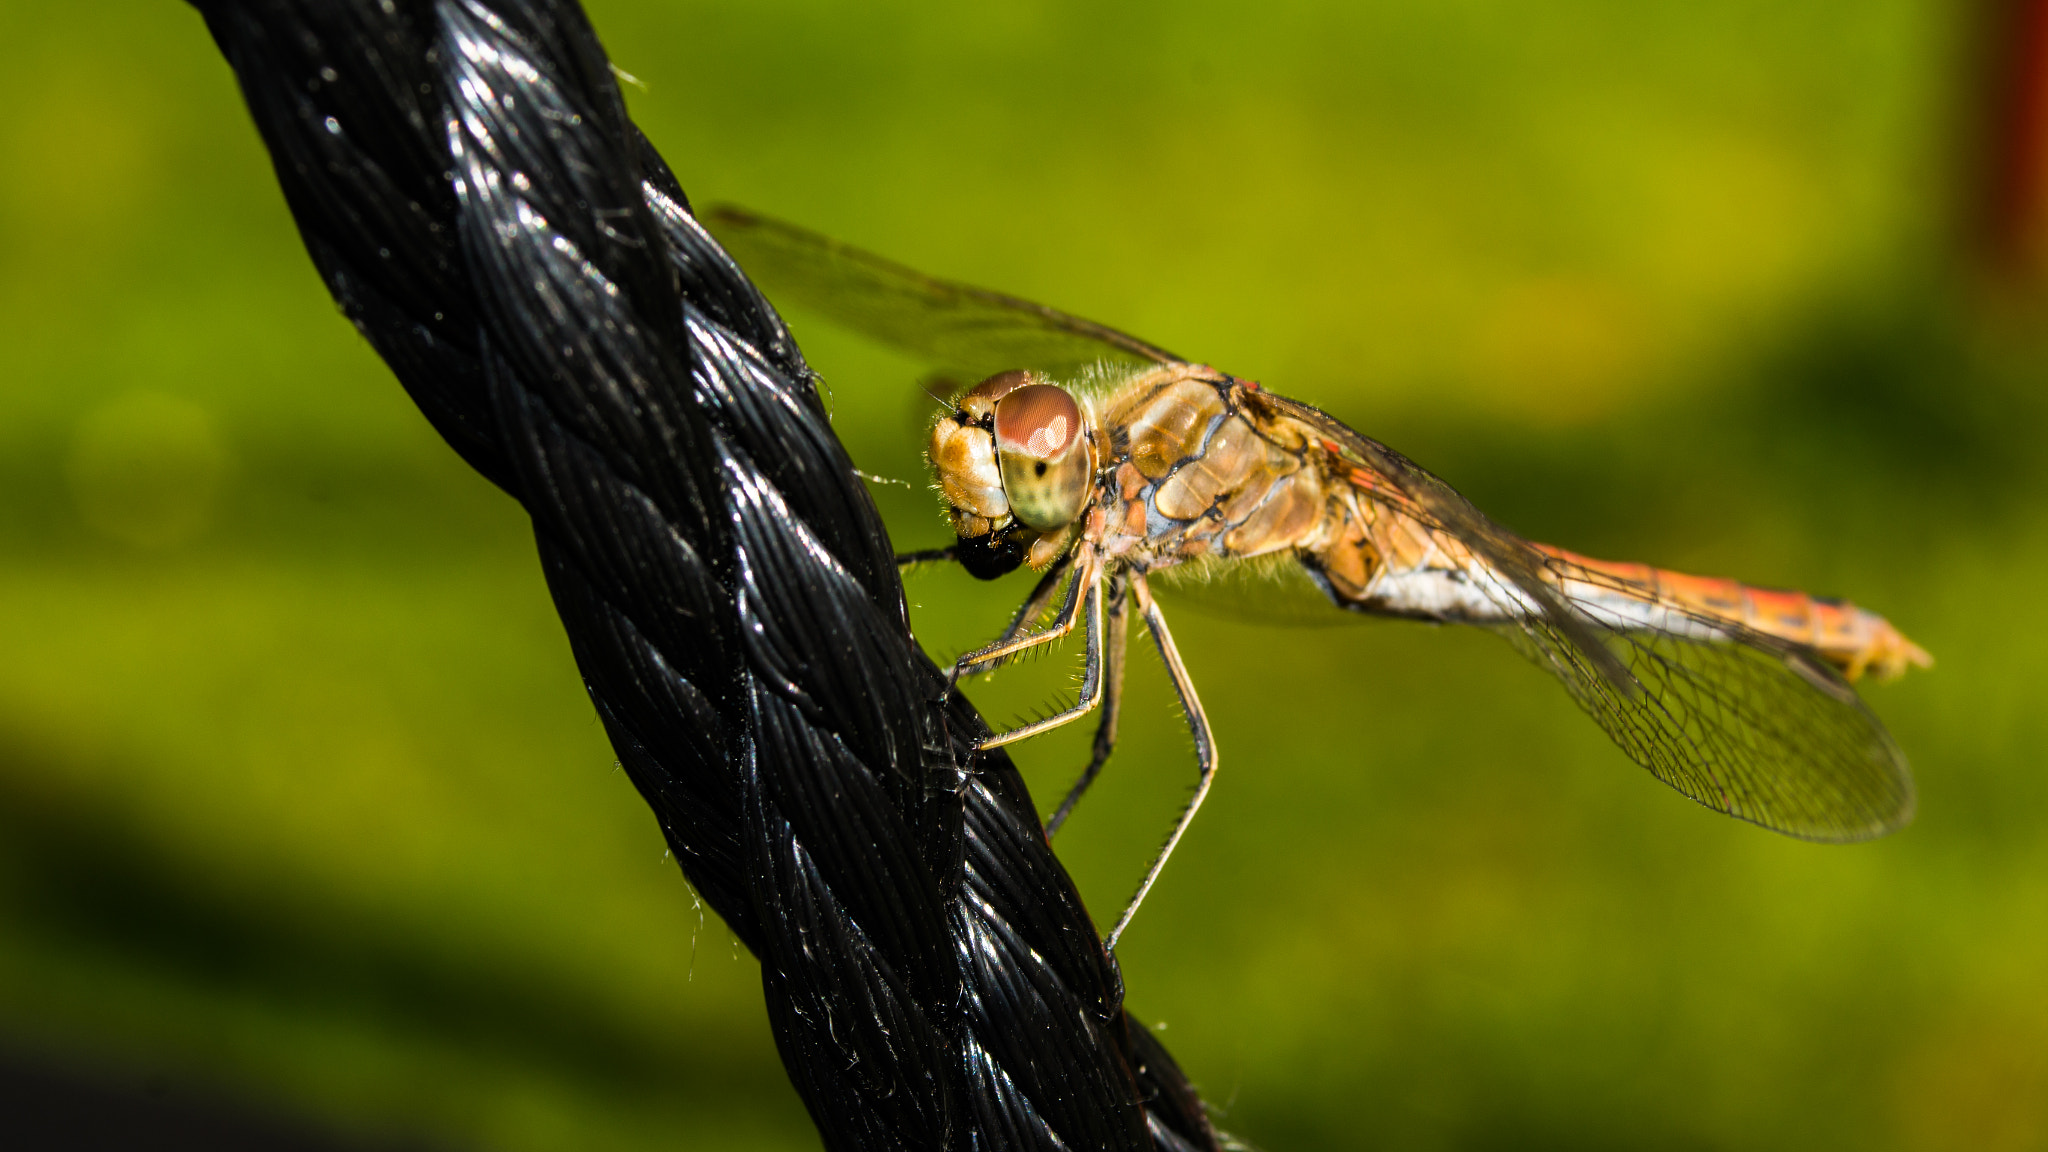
468, 184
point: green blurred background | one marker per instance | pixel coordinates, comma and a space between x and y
301, 803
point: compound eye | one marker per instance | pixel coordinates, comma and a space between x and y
979, 400
1043, 453
1040, 420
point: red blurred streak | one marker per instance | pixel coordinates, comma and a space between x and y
2017, 50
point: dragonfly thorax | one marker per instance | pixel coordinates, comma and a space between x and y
1016, 467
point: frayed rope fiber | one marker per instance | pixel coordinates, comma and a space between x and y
469, 186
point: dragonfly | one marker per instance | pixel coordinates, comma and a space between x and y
1102, 460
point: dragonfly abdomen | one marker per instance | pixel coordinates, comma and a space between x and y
1382, 562
1853, 639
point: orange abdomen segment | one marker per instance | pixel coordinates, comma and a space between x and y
1851, 638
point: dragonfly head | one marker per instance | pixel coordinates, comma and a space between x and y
1015, 467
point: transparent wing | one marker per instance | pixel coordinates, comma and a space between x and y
968, 333
1745, 723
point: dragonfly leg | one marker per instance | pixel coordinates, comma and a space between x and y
1113, 644
1086, 574
1198, 724
1041, 595
926, 556
1091, 679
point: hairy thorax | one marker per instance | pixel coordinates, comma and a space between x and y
1197, 477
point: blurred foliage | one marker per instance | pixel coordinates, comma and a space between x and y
300, 796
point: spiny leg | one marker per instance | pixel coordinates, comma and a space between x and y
1032, 609
1086, 574
1041, 595
1085, 571
1091, 678
1198, 724
1113, 646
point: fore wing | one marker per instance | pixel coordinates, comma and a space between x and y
1744, 722
966, 332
